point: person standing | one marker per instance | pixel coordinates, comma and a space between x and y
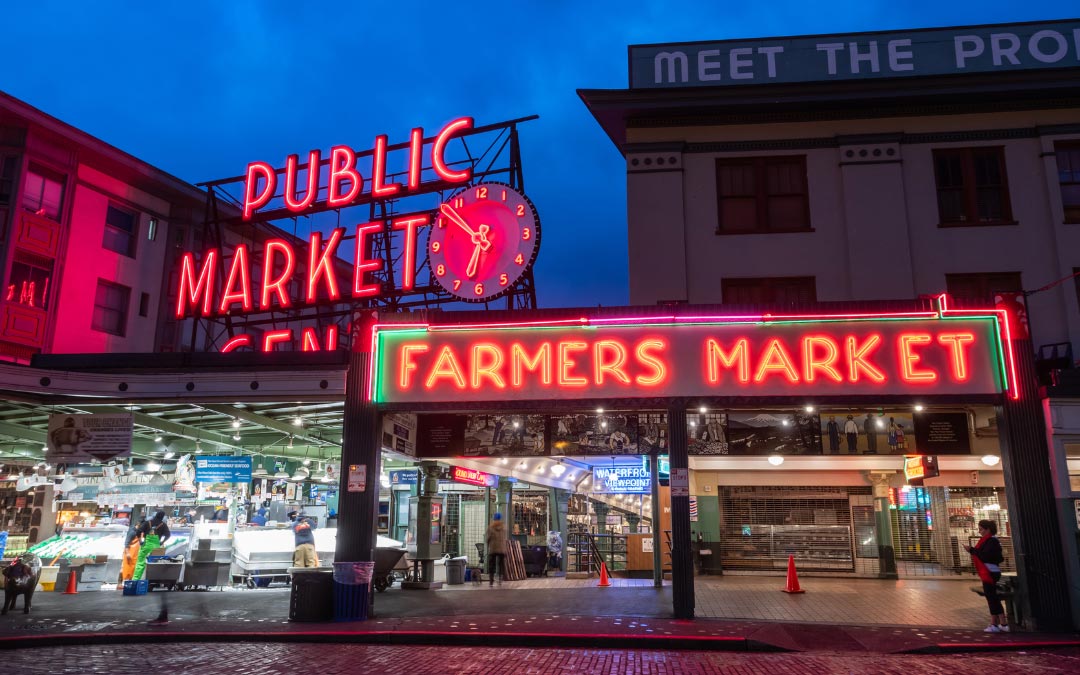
987, 556
851, 430
892, 435
154, 534
495, 545
871, 433
304, 539
834, 436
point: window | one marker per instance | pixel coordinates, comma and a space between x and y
981, 286
972, 188
121, 226
29, 281
43, 192
111, 308
144, 304
762, 194
8, 167
1068, 161
769, 291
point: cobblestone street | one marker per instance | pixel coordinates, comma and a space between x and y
269, 659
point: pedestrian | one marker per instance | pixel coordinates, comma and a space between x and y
871, 434
153, 535
901, 442
834, 436
851, 430
987, 556
892, 435
495, 543
304, 539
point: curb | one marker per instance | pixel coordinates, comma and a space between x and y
971, 647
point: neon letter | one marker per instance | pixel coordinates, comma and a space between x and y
331, 338
308, 341
438, 152
480, 370
291, 169
659, 375
407, 365
239, 270
714, 353
363, 264
856, 359
379, 188
271, 338
273, 286
567, 363
909, 359
776, 358
320, 265
416, 152
408, 263
812, 364
446, 366
251, 200
342, 167
609, 356
237, 342
957, 342
520, 362
190, 290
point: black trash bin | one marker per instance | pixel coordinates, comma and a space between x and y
312, 597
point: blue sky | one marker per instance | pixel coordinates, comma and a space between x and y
202, 88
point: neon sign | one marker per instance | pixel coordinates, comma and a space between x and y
461, 474
621, 480
920, 467
704, 356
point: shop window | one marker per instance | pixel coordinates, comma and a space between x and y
30, 281
43, 192
972, 188
121, 227
981, 286
111, 308
769, 291
762, 194
8, 167
1068, 161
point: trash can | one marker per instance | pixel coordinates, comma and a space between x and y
312, 597
455, 571
352, 583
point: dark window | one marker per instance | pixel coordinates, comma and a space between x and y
43, 192
144, 304
8, 167
121, 226
972, 188
769, 291
30, 280
762, 194
981, 286
1076, 282
111, 308
1068, 161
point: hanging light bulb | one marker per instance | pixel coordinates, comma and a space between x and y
235, 423
157, 439
298, 421
236, 436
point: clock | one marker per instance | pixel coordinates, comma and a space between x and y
484, 239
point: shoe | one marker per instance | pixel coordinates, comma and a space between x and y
157, 622
992, 629
1003, 629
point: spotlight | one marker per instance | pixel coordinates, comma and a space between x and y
809, 408
918, 407
703, 410
991, 460
776, 460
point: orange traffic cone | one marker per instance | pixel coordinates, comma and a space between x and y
73, 583
792, 585
604, 581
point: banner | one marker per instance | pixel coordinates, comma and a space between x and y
84, 438
223, 469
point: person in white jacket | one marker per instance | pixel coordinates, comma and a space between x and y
851, 430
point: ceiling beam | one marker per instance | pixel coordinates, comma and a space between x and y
22, 433
170, 428
286, 428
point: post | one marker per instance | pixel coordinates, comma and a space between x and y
883, 522
682, 561
657, 556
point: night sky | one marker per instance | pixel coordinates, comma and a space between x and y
199, 89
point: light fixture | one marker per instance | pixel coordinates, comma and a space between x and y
784, 422
170, 454
558, 469
603, 425
693, 423
524, 465
880, 423
517, 424
809, 408
236, 437
198, 447
599, 411
504, 460
153, 466
235, 423
539, 468
703, 410
307, 462
991, 460
384, 480
290, 443
298, 421
776, 460
157, 439
918, 407
281, 473
68, 484
44, 448
301, 473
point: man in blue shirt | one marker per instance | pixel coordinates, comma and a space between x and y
304, 539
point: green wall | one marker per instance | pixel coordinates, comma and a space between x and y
708, 522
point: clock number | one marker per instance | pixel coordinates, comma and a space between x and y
520, 259
459, 202
521, 210
526, 234
481, 192
457, 284
503, 279
478, 289
437, 246
440, 269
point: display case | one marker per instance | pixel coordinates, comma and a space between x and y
767, 547
267, 552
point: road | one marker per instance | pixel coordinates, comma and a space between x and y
332, 659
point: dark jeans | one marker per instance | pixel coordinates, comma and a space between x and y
992, 600
493, 560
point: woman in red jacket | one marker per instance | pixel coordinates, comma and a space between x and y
987, 556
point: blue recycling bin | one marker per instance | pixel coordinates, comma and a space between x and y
352, 586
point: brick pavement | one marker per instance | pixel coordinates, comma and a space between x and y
272, 659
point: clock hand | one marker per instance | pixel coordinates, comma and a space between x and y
482, 239
470, 271
450, 213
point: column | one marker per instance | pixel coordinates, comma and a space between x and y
657, 554
682, 562
883, 522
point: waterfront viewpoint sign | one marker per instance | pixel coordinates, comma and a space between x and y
816, 58
840, 355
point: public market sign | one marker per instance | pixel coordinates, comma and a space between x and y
841, 355
857, 56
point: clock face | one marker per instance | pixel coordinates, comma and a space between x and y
484, 239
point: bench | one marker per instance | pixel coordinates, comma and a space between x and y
1007, 593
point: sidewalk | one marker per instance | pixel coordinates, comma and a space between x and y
631, 616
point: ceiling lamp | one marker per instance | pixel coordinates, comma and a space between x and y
298, 421
918, 407
558, 469
158, 479
776, 460
301, 473
158, 439
281, 473
991, 460
68, 484
235, 423
260, 470
809, 408
170, 454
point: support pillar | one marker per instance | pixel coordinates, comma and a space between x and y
682, 560
657, 555
883, 522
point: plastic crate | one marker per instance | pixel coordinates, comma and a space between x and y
136, 587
